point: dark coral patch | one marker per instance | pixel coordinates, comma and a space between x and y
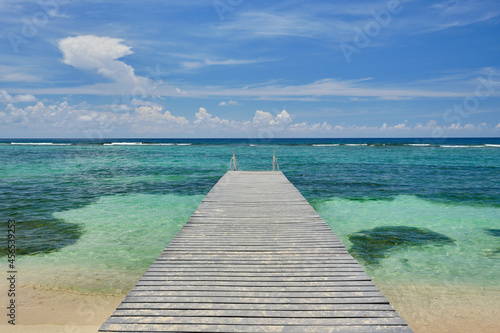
493, 232
371, 245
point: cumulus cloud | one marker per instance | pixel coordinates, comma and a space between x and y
282, 120
261, 122
203, 117
262, 119
5, 97
158, 115
65, 120
266, 119
147, 118
206, 121
99, 53
400, 126
304, 127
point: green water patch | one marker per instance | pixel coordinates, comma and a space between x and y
121, 236
417, 240
374, 244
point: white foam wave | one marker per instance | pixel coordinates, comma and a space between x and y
326, 145
184, 144
123, 144
492, 145
419, 144
460, 146
356, 144
40, 144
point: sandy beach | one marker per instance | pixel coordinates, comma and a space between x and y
442, 308
428, 308
59, 311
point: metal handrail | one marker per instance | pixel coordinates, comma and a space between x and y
275, 161
234, 162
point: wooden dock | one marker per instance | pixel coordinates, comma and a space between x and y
255, 257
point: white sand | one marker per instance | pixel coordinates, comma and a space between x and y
40, 310
446, 308
426, 308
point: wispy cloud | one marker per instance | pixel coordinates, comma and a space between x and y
11, 74
229, 103
436, 88
340, 22
451, 14
323, 88
226, 62
5, 97
268, 24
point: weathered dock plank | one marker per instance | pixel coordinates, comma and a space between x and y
255, 257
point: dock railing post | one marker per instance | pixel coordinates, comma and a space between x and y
275, 161
234, 162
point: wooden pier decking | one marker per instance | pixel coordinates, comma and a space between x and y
255, 257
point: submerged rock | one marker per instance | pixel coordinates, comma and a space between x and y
374, 244
493, 232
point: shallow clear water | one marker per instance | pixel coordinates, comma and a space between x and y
93, 215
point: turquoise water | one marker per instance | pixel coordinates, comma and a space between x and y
92, 215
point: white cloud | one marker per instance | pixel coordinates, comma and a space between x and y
229, 103
191, 64
400, 126
63, 120
340, 22
267, 24
138, 102
230, 62
262, 122
322, 88
150, 119
358, 89
5, 97
203, 117
431, 124
10, 74
153, 119
282, 120
306, 128
262, 119
451, 14
156, 114
99, 53
227, 62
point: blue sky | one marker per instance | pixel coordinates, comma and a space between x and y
241, 68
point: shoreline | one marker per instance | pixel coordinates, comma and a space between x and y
426, 308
